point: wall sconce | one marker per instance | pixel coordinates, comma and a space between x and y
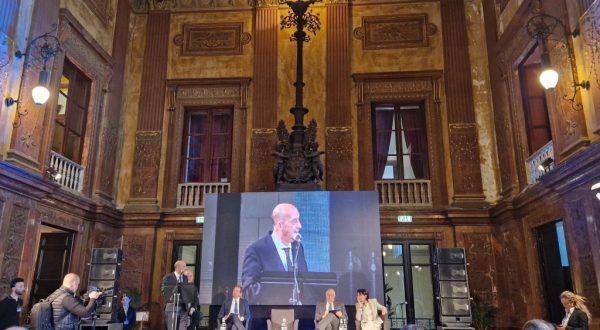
40, 49
546, 165
596, 189
540, 27
53, 174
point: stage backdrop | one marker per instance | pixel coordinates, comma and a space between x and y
341, 245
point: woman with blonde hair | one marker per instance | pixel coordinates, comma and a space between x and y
577, 315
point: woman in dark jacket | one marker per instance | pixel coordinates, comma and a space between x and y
126, 314
577, 315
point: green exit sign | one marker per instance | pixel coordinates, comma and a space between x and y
405, 218
199, 219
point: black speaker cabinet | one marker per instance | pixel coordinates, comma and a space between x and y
105, 273
452, 288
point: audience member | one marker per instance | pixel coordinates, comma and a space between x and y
67, 308
126, 313
577, 315
10, 307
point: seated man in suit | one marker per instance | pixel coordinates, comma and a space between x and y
279, 250
235, 310
194, 307
329, 312
176, 317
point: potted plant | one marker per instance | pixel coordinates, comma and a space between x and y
483, 313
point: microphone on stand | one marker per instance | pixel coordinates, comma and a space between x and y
295, 300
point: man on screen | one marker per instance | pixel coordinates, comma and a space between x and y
279, 250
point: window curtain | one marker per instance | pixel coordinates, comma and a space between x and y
413, 124
383, 128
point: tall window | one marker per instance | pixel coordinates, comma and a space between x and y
71, 113
207, 145
534, 102
408, 279
400, 142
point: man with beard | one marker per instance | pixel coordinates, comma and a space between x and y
10, 307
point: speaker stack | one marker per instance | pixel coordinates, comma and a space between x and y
105, 273
452, 289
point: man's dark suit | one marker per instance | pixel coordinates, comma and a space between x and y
262, 256
233, 321
168, 281
578, 320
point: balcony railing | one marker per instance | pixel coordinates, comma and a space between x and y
540, 163
192, 194
404, 192
66, 172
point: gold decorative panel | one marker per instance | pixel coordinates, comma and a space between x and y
212, 39
398, 31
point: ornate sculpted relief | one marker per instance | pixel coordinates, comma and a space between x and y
147, 159
103, 9
48, 216
13, 245
338, 148
134, 248
110, 140
405, 31
584, 255
464, 152
590, 31
263, 144
208, 92
212, 39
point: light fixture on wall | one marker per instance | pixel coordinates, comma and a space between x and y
39, 50
596, 189
546, 165
540, 27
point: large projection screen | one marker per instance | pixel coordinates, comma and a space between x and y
341, 246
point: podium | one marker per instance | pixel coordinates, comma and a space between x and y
276, 287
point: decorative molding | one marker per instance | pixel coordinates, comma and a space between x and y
261, 156
397, 31
590, 32
464, 154
160, 4
58, 219
208, 92
102, 9
110, 139
338, 148
13, 245
134, 253
398, 87
146, 163
212, 39
584, 255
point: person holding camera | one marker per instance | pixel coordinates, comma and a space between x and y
67, 308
